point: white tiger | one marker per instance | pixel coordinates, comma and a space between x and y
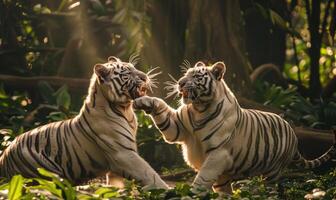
221, 140
100, 139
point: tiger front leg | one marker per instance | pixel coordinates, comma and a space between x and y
164, 117
214, 166
131, 166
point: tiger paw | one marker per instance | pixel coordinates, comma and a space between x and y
144, 103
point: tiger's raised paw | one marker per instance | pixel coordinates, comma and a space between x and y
144, 103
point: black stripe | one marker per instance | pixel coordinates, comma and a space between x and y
161, 111
165, 124
37, 143
266, 141
276, 142
180, 119
256, 156
123, 146
58, 168
94, 163
117, 90
177, 132
82, 170
127, 137
59, 153
94, 95
212, 132
69, 163
47, 147
242, 164
72, 133
25, 163
197, 125
97, 138
225, 92
216, 147
119, 113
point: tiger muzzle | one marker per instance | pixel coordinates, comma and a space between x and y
140, 86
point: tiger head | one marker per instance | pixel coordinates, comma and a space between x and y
120, 81
199, 84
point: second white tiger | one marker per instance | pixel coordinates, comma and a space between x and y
221, 140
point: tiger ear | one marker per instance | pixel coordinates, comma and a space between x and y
113, 59
199, 64
102, 72
218, 70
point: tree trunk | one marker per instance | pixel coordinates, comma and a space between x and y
167, 45
265, 43
215, 33
314, 50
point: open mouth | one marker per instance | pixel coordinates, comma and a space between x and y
184, 93
187, 94
139, 91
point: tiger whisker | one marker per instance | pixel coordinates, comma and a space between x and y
173, 94
170, 83
134, 59
152, 80
154, 75
185, 66
172, 88
173, 79
152, 70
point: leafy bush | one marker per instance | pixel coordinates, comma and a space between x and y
297, 108
18, 113
293, 185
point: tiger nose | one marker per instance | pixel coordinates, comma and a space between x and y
182, 82
142, 76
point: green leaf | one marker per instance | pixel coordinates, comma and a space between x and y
47, 92
15, 187
48, 186
98, 7
263, 11
63, 98
276, 20
3, 94
107, 192
61, 6
46, 173
61, 183
4, 186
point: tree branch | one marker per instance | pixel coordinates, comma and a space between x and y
307, 4
325, 18
75, 84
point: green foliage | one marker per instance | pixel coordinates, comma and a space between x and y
274, 95
254, 188
297, 108
12, 109
136, 24
292, 185
15, 187
274, 18
298, 64
18, 113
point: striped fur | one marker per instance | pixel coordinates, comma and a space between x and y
100, 139
221, 140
